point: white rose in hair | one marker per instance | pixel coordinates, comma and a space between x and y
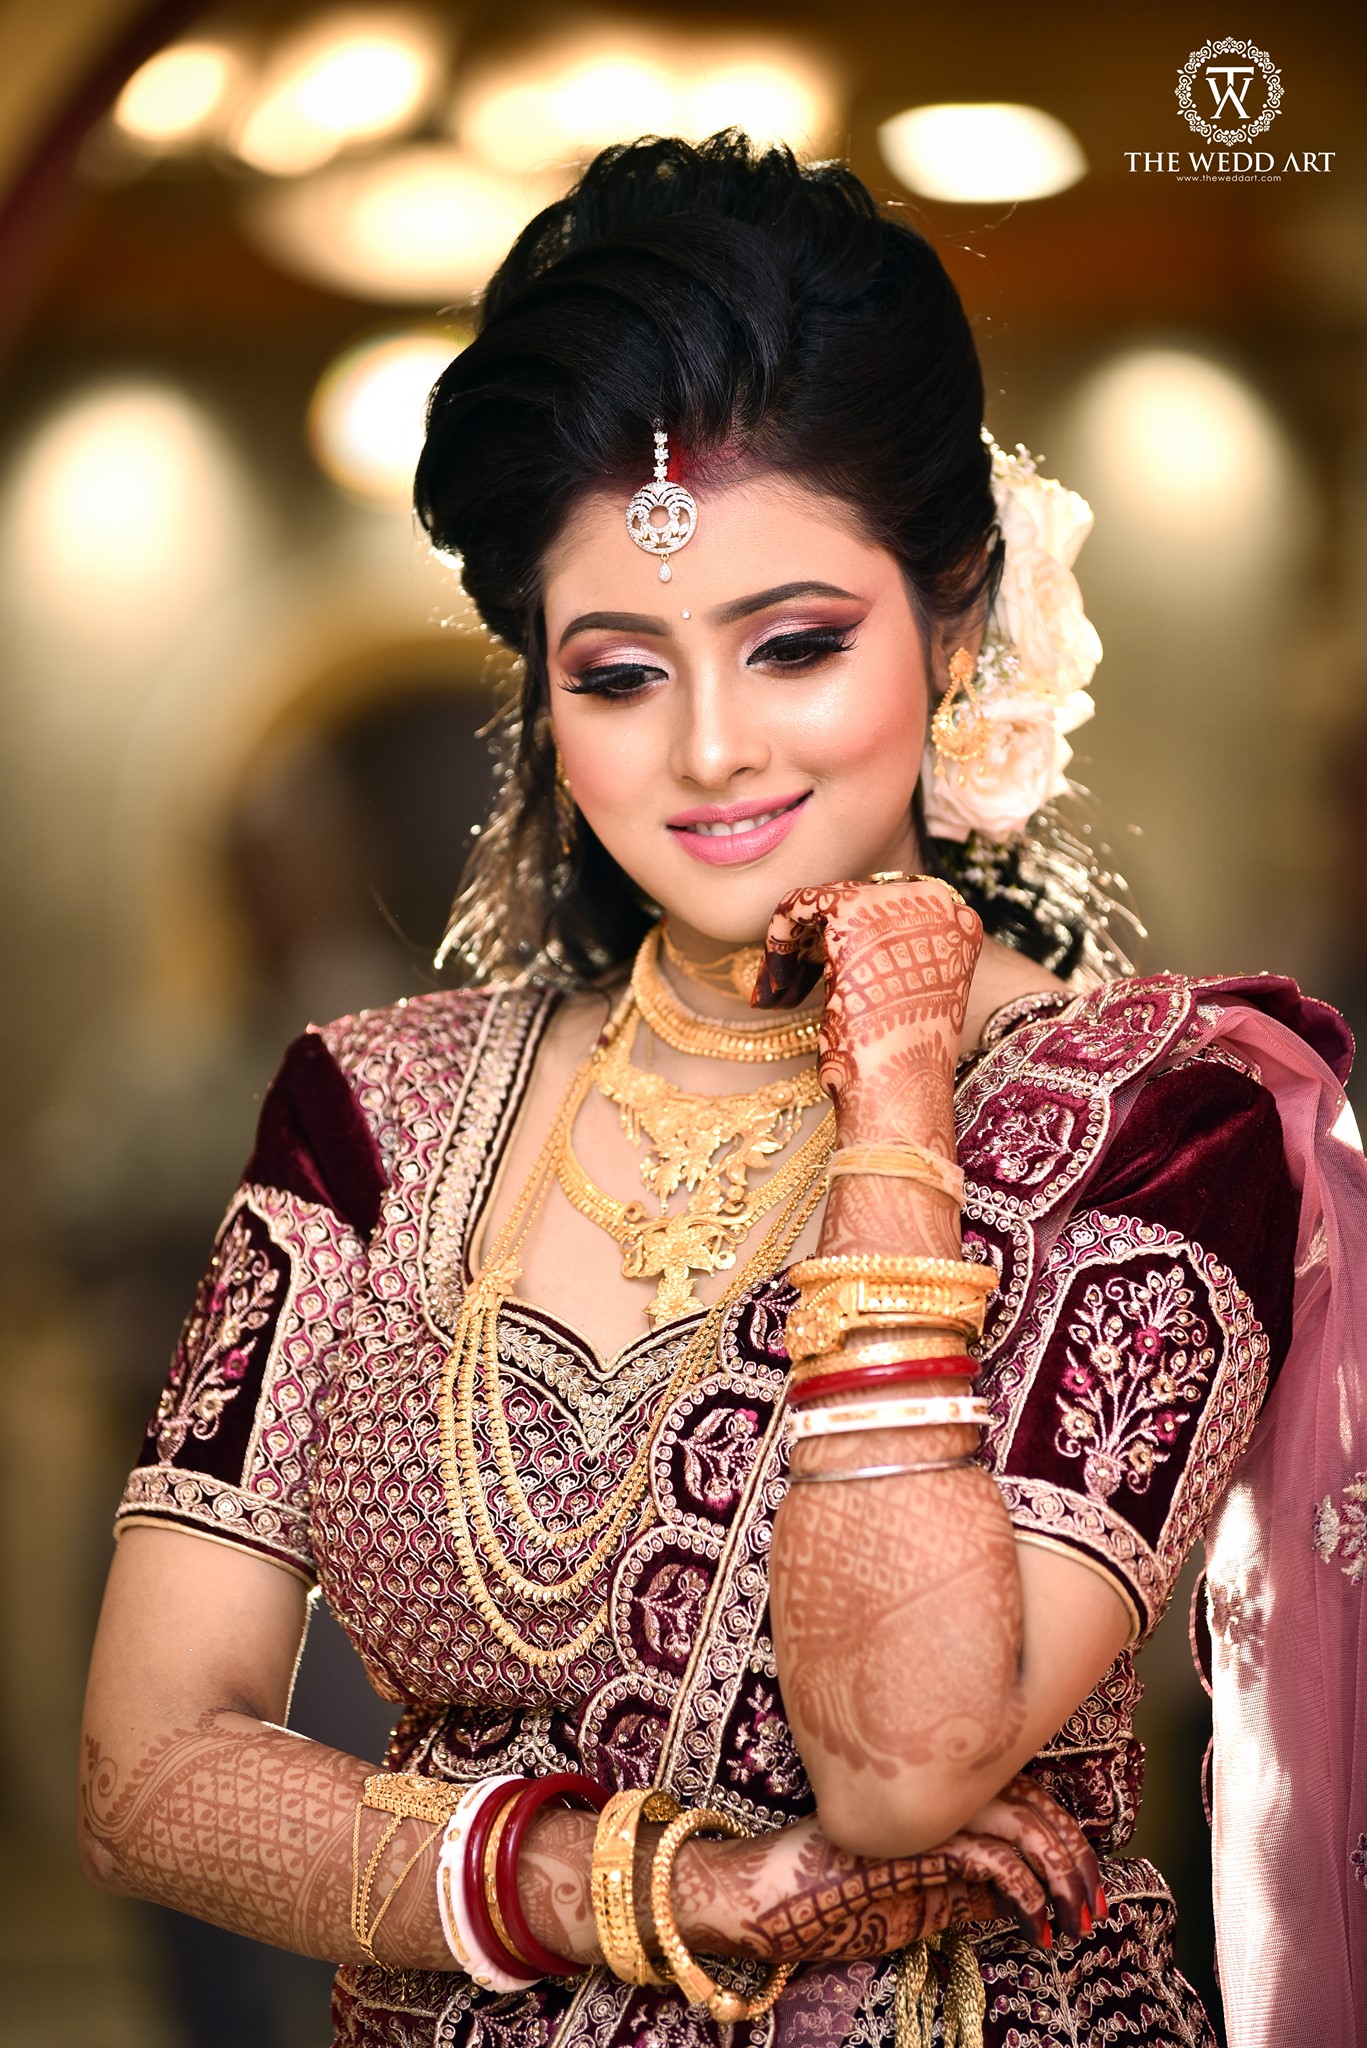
1039, 609
1019, 770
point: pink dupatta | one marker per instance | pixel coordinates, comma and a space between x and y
1286, 1550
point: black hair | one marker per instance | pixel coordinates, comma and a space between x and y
757, 306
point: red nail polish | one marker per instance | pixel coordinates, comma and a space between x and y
1102, 1909
1086, 1920
1046, 1940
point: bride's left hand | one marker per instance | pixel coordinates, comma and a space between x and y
898, 959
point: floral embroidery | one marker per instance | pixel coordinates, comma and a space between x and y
1137, 1370
1237, 1615
718, 1454
1342, 1529
766, 1747
1024, 1143
234, 1305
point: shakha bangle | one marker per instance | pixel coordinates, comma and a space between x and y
908, 1161
840, 1473
456, 1895
505, 1849
920, 1412
859, 1379
727, 2008
404, 1796
612, 1881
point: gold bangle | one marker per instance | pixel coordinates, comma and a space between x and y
863, 1348
489, 1874
825, 1313
612, 1881
901, 1162
726, 2007
890, 1269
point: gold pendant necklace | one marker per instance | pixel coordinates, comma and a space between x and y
687, 1131
778, 1038
702, 1236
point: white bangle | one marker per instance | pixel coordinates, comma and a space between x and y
456, 1923
918, 1413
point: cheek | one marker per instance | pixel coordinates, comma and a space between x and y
609, 754
873, 722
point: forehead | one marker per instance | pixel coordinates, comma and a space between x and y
761, 531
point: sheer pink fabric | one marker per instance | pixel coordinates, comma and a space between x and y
1286, 1551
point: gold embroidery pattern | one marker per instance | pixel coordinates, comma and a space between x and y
233, 1306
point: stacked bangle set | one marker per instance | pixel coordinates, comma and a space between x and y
482, 1831
865, 1328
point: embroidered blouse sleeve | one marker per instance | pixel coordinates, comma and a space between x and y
228, 1451
1130, 1367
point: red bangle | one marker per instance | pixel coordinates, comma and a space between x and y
563, 1786
954, 1365
481, 1919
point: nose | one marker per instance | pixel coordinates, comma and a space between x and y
719, 734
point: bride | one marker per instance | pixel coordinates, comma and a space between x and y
748, 1371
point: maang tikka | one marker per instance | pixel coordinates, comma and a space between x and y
667, 535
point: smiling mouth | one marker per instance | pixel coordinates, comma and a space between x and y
731, 828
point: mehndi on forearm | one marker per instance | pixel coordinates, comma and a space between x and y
251, 1827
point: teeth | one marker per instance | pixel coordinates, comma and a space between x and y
724, 831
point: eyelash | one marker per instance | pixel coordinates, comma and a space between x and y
801, 651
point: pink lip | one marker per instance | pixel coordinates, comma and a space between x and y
731, 849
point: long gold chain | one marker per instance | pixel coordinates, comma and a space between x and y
459, 1471
700, 1237
781, 1038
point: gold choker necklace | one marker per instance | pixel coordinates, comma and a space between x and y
732, 975
778, 1038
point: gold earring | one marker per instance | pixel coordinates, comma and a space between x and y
566, 813
958, 730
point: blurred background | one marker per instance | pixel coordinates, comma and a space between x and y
239, 752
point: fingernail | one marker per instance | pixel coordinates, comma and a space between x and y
1086, 1920
1102, 1909
1046, 1939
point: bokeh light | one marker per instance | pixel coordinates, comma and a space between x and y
985, 151
565, 99
416, 226
179, 96
1188, 458
366, 419
122, 511
349, 78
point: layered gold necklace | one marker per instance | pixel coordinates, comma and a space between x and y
707, 1146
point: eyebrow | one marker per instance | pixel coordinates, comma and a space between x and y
614, 622
743, 607
724, 615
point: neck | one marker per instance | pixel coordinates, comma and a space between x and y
707, 999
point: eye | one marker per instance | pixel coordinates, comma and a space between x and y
803, 650
612, 679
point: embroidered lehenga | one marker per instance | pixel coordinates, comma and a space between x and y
1125, 1174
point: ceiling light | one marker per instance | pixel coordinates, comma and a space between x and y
415, 227
990, 150
367, 416
349, 78
775, 95
177, 96
561, 102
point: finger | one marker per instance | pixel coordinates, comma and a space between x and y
794, 950
1016, 1821
1075, 1843
997, 1863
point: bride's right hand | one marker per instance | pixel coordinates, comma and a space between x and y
794, 1896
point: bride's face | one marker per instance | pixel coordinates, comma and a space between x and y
752, 725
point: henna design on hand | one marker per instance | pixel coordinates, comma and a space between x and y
250, 1827
553, 1884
